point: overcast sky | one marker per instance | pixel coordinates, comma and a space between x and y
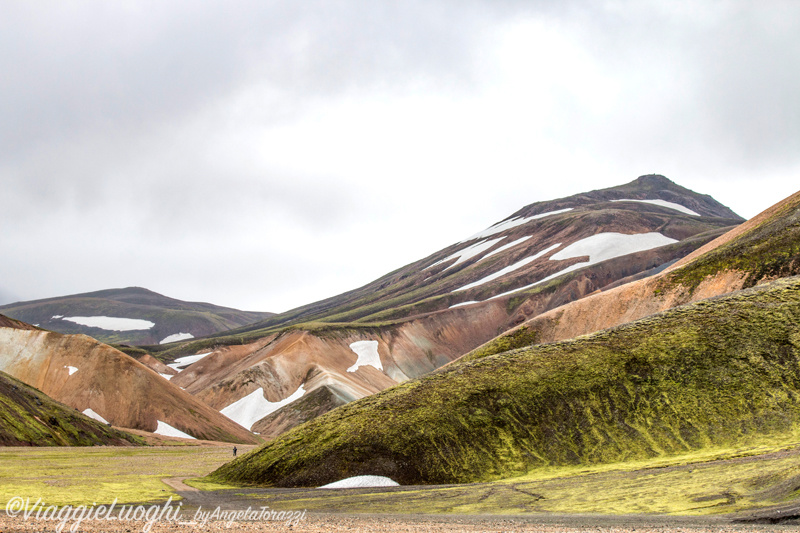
267, 154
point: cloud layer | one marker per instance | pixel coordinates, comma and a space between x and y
264, 155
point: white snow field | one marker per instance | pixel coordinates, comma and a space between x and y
505, 247
464, 303
71, 369
169, 431
509, 268
663, 203
111, 323
512, 223
253, 407
601, 247
182, 362
175, 337
361, 482
367, 352
92, 414
467, 253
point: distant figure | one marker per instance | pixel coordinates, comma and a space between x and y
234, 451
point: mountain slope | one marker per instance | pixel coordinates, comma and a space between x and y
434, 283
717, 372
86, 374
153, 318
30, 418
764, 248
435, 310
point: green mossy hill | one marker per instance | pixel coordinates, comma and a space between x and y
719, 372
29, 417
768, 251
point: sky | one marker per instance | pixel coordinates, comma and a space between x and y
267, 154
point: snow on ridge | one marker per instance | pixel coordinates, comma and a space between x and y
368, 355
91, 414
508, 269
663, 203
600, 247
111, 323
361, 482
175, 337
512, 223
250, 409
505, 247
182, 362
464, 303
467, 253
71, 369
56, 317
168, 431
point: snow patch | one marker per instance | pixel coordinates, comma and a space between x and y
601, 247
253, 407
361, 482
663, 203
367, 352
504, 247
111, 323
92, 414
512, 223
168, 431
509, 268
72, 369
467, 253
165, 376
56, 317
175, 337
464, 303
182, 362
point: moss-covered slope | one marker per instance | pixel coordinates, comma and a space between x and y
718, 372
29, 417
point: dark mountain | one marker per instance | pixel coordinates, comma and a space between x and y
140, 307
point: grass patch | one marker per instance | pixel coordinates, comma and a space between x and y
701, 483
75, 476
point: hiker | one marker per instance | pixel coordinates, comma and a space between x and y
234, 451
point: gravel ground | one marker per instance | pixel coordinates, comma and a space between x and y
351, 523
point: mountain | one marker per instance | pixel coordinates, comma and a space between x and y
720, 372
108, 385
130, 316
659, 211
31, 418
764, 248
294, 366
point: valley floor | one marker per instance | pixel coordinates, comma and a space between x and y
719, 491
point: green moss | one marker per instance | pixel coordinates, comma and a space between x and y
518, 338
767, 251
721, 372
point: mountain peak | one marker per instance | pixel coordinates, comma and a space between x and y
653, 181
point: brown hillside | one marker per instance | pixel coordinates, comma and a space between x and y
120, 389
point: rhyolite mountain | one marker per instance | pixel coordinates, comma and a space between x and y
107, 385
29, 417
431, 312
717, 372
131, 316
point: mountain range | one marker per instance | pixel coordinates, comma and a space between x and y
549, 272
